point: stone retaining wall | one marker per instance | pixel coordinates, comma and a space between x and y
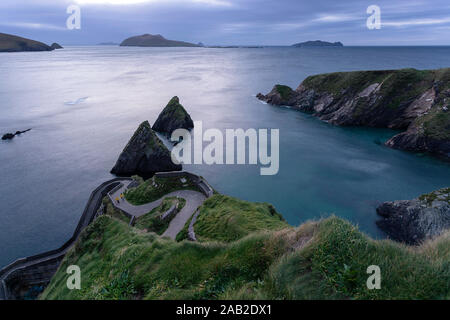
40, 268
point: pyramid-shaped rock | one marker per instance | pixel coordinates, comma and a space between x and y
173, 117
144, 155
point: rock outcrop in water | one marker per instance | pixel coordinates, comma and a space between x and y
150, 40
56, 46
413, 221
10, 136
173, 117
417, 101
144, 155
11, 43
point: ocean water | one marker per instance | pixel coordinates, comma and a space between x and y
84, 103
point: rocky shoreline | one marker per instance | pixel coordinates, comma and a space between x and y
416, 101
414, 221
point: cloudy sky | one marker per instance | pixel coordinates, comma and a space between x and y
241, 22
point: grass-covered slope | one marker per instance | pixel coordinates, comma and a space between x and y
318, 260
227, 219
153, 222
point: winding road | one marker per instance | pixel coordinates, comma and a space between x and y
194, 199
39, 269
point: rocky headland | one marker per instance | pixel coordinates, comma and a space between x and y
150, 40
144, 155
318, 43
413, 221
11, 43
415, 101
173, 117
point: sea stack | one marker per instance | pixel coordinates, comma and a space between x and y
144, 155
173, 117
413, 221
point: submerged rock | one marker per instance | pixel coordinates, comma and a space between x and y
144, 155
173, 117
413, 221
411, 100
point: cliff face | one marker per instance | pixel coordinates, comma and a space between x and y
412, 221
150, 40
144, 155
411, 100
173, 117
11, 43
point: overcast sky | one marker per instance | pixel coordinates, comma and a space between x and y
241, 22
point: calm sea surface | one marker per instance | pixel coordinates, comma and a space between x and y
84, 103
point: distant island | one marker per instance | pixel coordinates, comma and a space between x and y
11, 43
318, 43
150, 40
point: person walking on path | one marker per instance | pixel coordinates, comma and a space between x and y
117, 199
121, 197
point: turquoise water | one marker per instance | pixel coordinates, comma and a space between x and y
84, 103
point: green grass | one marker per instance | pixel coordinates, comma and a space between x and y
284, 91
224, 218
318, 260
155, 188
151, 222
337, 259
443, 194
175, 109
112, 211
119, 262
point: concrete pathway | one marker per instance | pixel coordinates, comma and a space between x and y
194, 199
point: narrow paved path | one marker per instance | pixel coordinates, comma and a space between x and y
194, 199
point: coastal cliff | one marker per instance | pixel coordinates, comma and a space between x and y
413, 221
144, 154
416, 101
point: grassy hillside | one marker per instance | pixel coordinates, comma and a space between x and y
318, 260
227, 219
152, 222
